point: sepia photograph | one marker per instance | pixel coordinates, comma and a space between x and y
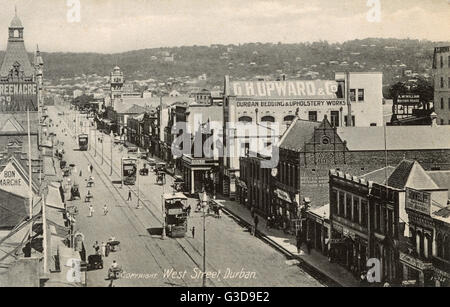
224, 149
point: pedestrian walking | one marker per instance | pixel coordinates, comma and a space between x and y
103, 249
107, 250
91, 168
91, 211
299, 243
252, 211
308, 245
256, 220
105, 210
96, 248
129, 195
193, 232
81, 173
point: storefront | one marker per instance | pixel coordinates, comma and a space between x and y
416, 271
285, 209
349, 248
318, 228
198, 173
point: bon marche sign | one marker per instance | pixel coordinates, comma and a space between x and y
300, 89
419, 201
18, 96
12, 181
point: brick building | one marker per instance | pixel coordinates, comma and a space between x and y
308, 150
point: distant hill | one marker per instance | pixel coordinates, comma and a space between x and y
250, 60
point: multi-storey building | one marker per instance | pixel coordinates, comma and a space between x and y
441, 70
280, 102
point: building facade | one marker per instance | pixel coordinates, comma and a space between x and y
281, 102
441, 71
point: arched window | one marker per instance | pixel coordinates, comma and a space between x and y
16, 33
268, 118
288, 119
245, 119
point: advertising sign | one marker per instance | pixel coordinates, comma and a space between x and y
408, 99
290, 103
300, 89
15, 96
419, 201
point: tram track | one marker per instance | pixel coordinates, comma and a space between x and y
90, 158
156, 217
108, 185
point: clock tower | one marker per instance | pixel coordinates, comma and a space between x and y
116, 81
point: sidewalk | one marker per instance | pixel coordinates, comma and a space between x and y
287, 242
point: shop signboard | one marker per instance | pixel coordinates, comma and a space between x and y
419, 201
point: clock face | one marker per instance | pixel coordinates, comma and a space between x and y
274, 172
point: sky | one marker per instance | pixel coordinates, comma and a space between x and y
112, 26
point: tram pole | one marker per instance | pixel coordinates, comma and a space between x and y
204, 202
102, 149
95, 136
163, 233
111, 138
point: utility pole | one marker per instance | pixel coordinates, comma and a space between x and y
349, 103
163, 233
204, 203
102, 148
112, 140
95, 140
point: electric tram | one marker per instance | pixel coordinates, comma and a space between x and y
83, 140
129, 171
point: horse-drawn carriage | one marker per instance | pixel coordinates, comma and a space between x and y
95, 262
74, 192
143, 171
178, 183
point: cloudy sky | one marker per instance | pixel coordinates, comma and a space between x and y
110, 26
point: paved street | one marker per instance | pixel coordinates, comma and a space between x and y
230, 248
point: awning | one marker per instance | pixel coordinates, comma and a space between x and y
283, 195
54, 197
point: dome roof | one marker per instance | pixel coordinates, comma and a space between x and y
16, 22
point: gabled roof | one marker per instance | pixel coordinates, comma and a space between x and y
412, 175
298, 133
379, 175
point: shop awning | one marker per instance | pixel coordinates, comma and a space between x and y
54, 197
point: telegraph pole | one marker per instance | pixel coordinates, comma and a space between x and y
111, 137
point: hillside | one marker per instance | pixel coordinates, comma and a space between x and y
250, 60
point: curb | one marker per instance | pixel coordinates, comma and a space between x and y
321, 276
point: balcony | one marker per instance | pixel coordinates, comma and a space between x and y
441, 264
